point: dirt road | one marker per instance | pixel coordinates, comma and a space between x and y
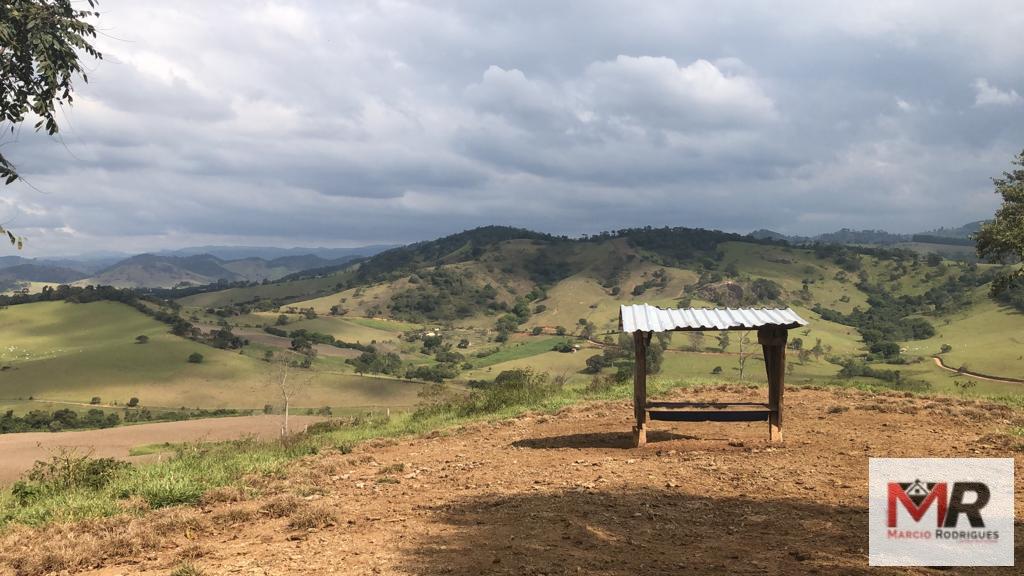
938, 362
19, 451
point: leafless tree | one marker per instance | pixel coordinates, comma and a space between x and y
286, 375
746, 351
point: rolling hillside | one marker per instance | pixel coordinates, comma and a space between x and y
464, 308
465, 285
153, 271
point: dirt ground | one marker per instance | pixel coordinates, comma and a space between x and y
565, 494
19, 451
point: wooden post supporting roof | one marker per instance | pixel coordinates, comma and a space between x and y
640, 387
773, 343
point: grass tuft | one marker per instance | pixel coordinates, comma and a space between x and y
312, 516
187, 569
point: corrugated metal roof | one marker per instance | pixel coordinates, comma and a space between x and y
647, 318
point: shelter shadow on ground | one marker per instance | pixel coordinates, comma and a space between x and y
622, 440
643, 532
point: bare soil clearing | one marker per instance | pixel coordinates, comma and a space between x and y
565, 494
19, 451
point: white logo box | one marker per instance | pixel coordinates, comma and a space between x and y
929, 485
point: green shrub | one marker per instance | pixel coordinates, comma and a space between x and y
510, 388
195, 358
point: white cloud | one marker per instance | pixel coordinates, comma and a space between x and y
657, 89
335, 123
986, 94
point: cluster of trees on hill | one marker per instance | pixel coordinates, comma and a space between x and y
443, 294
68, 419
63, 419
303, 340
853, 368
712, 286
1012, 294
897, 318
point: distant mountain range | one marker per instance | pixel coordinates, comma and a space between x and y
273, 253
184, 267
201, 265
960, 236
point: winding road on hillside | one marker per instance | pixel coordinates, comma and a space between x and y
938, 362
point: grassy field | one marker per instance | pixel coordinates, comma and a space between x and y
73, 352
346, 329
988, 339
295, 290
520, 348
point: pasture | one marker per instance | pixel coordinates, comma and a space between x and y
70, 353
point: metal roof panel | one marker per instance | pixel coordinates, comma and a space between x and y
647, 318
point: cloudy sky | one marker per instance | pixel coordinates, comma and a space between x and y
348, 123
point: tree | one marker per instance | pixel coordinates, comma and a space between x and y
697, 341
886, 349
40, 45
141, 339
133, 402
588, 330
289, 379
1003, 237
595, 363
723, 340
195, 358
745, 352
818, 350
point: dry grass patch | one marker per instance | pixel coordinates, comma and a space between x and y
178, 521
281, 506
191, 552
76, 547
187, 569
233, 515
312, 516
223, 494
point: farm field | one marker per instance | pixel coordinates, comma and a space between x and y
21, 450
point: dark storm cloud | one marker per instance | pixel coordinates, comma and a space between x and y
381, 121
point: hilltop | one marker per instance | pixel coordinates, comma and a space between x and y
550, 494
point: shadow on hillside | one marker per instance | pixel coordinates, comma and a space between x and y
622, 440
643, 532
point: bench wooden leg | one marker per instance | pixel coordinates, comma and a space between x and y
773, 343
640, 387
639, 435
